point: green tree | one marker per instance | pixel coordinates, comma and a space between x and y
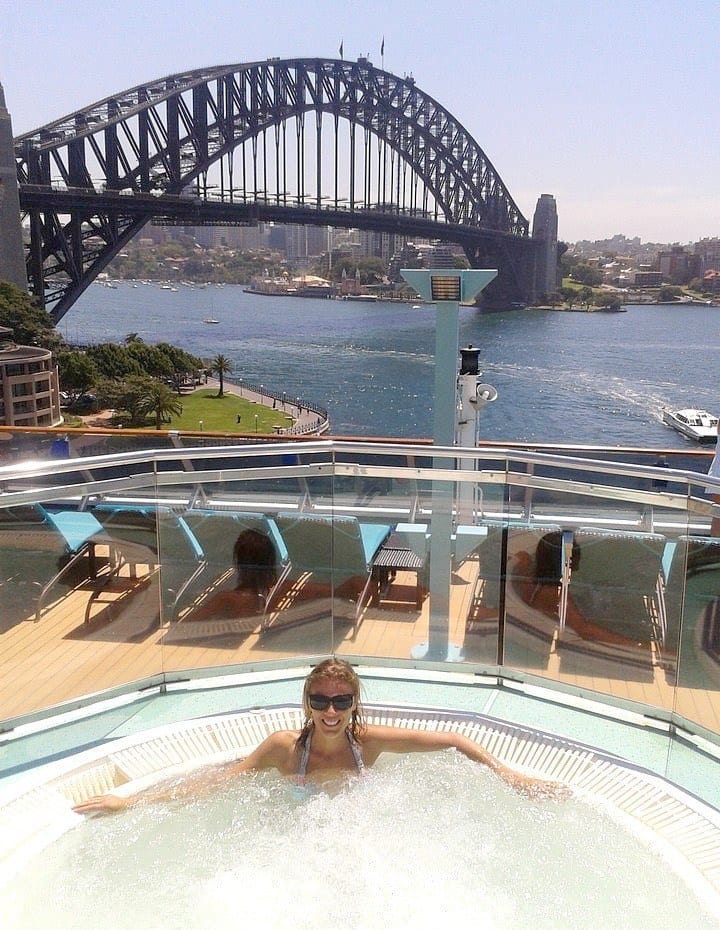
76, 373
609, 300
181, 364
583, 273
152, 361
114, 361
160, 402
569, 295
31, 325
221, 366
585, 296
111, 393
134, 394
668, 294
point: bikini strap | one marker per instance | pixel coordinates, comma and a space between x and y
305, 756
357, 755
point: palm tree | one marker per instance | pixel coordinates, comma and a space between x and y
222, 366
159, 401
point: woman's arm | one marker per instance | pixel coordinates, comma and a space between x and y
379, 739
271, 753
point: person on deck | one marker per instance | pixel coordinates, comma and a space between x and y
255, 560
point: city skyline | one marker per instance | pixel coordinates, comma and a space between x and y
603, 106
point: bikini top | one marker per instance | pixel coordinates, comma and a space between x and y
305, 755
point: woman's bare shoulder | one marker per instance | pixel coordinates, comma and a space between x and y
278, 750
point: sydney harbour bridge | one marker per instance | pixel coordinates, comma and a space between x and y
316, 141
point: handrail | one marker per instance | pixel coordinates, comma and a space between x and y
38, 469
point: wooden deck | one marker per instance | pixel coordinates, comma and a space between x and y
85, 643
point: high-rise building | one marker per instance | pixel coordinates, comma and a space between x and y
677, 266
708, 252
440, 255
306, 241
545, 231
12, 256
375, 244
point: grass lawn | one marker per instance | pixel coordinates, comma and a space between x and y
220, 414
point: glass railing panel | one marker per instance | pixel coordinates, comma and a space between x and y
79, 602
698, 565
37, 444
586, 585
236, 584
381, 557
531, 596
291, 475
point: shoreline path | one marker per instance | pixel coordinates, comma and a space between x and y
305, 419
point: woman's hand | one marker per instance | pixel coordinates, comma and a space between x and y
535, 788
102, 804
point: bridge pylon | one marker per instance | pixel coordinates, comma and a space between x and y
12, 259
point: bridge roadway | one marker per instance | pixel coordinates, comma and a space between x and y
195, 210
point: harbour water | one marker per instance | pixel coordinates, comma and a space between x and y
561, 377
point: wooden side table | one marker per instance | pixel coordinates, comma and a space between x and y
395, 556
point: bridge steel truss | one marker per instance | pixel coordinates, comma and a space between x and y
237, 145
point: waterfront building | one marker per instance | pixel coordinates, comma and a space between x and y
29, 390
646, 278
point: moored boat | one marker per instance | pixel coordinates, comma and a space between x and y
694, 423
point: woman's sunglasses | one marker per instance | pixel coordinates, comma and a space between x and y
339, 701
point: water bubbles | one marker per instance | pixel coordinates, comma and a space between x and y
425, 840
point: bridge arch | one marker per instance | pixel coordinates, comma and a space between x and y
237, 143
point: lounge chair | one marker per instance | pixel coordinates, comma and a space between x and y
616, 593
337, 551
515, 582
156, 537
43, 546
216, 532
129, 523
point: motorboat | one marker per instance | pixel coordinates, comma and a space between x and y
209, 320
694, 423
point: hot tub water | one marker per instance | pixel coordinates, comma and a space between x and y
423, 841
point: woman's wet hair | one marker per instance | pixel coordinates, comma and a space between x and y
333, 670
256, 561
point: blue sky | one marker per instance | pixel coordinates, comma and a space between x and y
610, 105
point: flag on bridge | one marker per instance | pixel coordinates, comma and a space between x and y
382, 47
341, 50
